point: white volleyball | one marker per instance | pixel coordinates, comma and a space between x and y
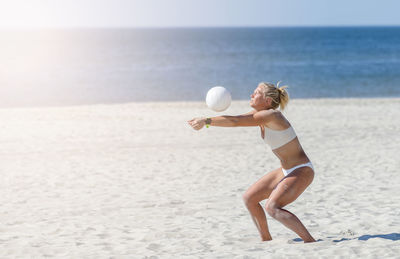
218, 98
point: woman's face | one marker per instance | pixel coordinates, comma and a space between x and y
258, 100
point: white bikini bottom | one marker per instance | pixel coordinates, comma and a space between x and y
288, 171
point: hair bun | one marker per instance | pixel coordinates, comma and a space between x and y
282, 95
281, 89
279, 93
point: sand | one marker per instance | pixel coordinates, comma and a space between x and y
134, 181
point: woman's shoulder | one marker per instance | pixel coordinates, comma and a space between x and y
266, 116
264, 113
269, 113
274, 118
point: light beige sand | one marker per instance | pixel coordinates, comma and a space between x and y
134, 180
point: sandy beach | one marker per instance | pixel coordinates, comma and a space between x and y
134, 181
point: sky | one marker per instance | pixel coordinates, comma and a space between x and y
200, 13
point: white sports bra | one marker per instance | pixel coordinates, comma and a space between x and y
278, 138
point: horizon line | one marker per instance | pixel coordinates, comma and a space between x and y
194, 27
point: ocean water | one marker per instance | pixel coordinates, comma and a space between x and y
85, 66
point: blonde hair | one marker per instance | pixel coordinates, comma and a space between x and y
279, 96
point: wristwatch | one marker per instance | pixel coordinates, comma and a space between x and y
208, 122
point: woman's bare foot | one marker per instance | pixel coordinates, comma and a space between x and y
310, 241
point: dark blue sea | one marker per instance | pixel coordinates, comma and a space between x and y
86, 66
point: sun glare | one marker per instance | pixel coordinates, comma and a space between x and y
24, 14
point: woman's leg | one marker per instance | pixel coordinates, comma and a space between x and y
286, 192
257, 192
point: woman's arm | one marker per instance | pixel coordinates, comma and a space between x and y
252, 118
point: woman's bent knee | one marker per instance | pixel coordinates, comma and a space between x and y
272, 208
248, 199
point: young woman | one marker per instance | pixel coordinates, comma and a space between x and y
284, 184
